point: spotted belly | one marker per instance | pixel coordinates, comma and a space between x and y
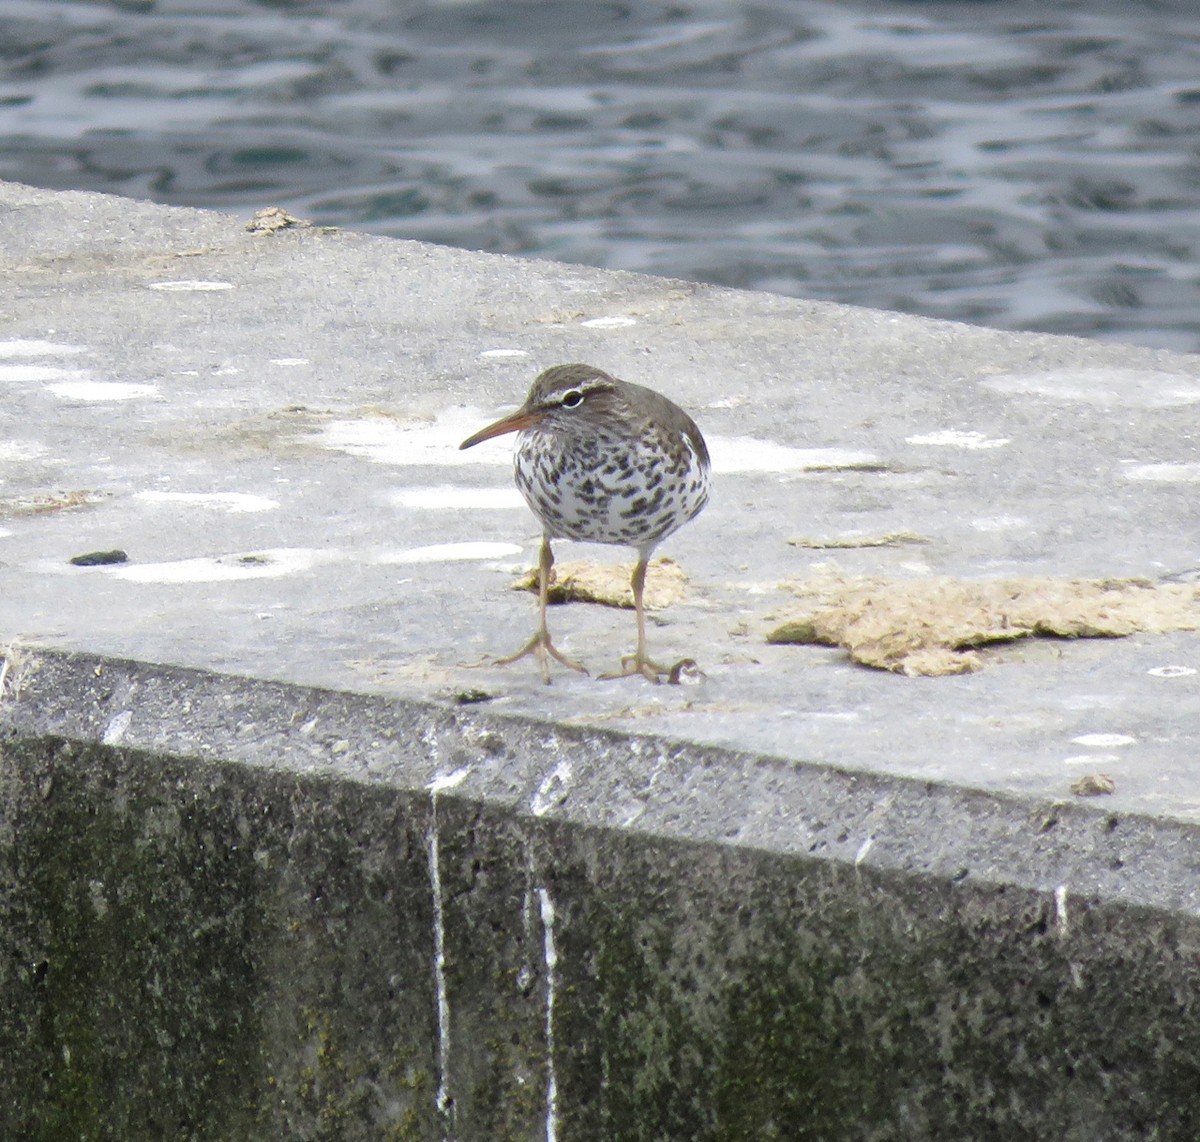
611, 495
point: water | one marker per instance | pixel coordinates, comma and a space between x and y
1002, 163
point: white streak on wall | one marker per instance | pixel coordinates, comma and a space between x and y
550, 955
439, 963
437, 784
115, 730
449, 780
1060, 910
553, 789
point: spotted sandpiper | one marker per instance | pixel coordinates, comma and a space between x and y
604, 461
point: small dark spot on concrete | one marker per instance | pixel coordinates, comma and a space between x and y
99, 558
254, 559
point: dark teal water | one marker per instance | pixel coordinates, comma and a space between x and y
1014, 164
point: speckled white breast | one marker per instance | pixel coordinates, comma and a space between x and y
605, 490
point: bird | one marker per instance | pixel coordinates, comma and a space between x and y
604, 461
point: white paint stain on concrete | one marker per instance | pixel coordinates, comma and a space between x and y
1091, 759
1106, 387
616, 321
1171, 671
1185, 473
1103, 741
436, 443
33, 347
501, 354
102, 390
999, 523
732, 454
385, 441
190, 285
451, 553
15, 451
955, 438
233, 502
445, 497
272, 564
21, 373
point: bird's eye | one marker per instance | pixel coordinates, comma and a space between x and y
572, 398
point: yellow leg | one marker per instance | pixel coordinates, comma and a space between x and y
540, 644
640, 662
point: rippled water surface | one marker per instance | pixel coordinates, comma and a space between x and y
1014, 164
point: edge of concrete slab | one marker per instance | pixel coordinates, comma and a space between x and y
400, 340
669, 788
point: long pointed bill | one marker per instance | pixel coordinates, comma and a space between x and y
514, 422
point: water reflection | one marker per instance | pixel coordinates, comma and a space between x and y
997, 163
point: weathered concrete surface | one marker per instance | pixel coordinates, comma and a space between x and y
324, 394
278, 912
873, 912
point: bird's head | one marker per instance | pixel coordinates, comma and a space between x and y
565, 396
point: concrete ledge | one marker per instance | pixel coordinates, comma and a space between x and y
269, 872
240, 909
268, 426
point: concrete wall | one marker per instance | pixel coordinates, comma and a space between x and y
265, 912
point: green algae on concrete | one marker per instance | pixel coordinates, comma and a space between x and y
195, 952
808, 1002
128, 1001
258, 947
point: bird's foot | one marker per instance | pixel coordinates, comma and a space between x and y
684, 671
545, 650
